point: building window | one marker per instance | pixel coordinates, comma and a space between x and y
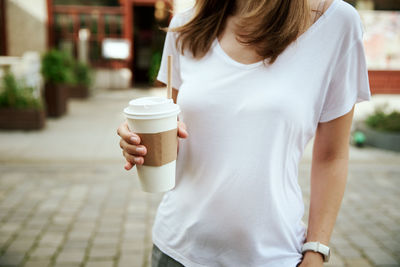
102, 22
87, 2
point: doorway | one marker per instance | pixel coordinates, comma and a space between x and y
148, 41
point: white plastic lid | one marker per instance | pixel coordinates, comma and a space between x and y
152, 107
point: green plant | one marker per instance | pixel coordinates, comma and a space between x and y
383, 120
82, 74
57, 67
154, 65
16, 95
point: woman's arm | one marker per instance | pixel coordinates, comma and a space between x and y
328, 181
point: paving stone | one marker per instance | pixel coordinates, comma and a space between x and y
91, 263
62, 220
36, 225
80, 235
51, 239
105, 241
43, 252
21, 246
38, 263
391, 244
132, 246
111, 222
102, 253
83, 225
363, 241
70, 256
10, 227
18, 219
357, 263
131, 235
129, 261
11, 258
348, 252
339, 241
380, 257
378, 232
57, 229
68, 264
76, 244
109, 230
89, 216
5, 238
29, 233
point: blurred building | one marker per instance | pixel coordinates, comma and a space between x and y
120, 38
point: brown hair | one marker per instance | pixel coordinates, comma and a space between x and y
267, 25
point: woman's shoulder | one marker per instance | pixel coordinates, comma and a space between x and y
182, 17
347, 19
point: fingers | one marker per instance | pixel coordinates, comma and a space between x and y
128, 166
131, 148
127, 135
132, 153
132, 159
135, 150
182, 132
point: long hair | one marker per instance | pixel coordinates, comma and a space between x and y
267, 25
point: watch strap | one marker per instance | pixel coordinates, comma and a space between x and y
317, 247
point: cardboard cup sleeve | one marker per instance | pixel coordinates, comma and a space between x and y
161, 147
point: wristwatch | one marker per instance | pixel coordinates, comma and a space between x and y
317, 247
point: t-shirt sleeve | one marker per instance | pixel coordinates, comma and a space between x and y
349, 84
170, 49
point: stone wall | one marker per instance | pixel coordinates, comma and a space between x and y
26, 22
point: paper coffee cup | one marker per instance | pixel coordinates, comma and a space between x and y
155, 120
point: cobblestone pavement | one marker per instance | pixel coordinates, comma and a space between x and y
65, 199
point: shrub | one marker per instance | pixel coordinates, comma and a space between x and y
82, 74
57, 67
382, 120
15, 95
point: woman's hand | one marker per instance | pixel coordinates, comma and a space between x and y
312, 259
131, 148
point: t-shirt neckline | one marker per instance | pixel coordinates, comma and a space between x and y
217, 47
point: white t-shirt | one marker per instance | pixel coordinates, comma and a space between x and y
237, 201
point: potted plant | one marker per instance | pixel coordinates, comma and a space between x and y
82, 80
382, 128
57, 72
19, 108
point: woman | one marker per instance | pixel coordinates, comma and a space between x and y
257, 79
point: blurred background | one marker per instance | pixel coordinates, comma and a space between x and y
69, 67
